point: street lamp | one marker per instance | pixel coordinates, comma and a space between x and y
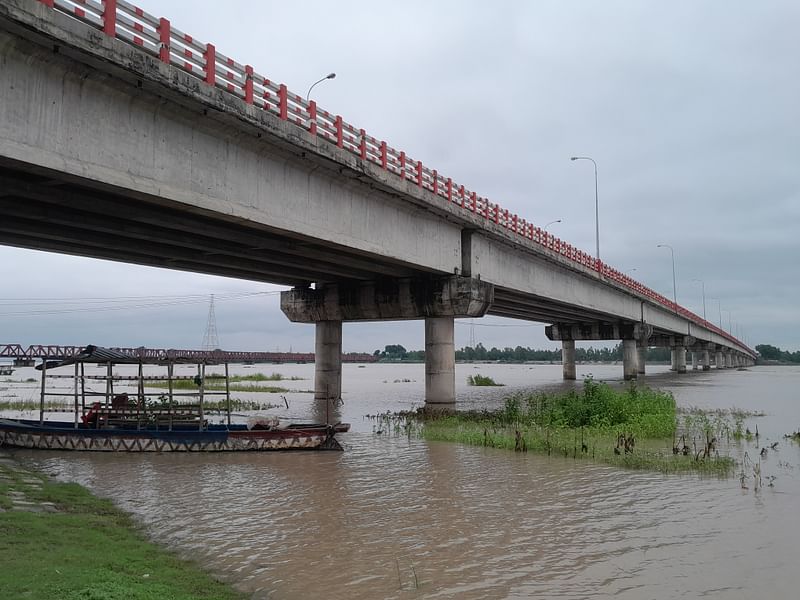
703, 283
674, 286
596, 204
328, 76
551, 223
719, 307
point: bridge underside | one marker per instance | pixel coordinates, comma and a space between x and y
51, 211
45, 210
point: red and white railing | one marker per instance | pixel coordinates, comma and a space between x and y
156, 36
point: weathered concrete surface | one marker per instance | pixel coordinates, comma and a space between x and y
630, 367
440, 361
568, 359
641, 358
385, 300
328, 360
598, 331
680, 359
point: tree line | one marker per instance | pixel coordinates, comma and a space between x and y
396, 352
769, 352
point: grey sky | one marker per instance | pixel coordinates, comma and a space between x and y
691, 109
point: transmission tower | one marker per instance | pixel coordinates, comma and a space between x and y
472, 333
211, 339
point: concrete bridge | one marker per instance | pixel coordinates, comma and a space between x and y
123, 138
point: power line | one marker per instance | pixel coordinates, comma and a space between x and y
165, 301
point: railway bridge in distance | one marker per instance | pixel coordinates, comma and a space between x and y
124, 138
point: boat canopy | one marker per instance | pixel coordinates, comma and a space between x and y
98, 355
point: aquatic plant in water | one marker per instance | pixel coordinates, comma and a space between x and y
631, 427
482, 380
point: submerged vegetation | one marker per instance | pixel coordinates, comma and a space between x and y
635, 427
482, 380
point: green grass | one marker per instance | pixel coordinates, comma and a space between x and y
593, 423
186, 384
482, 380
89, 550
254, 377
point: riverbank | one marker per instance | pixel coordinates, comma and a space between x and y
60, 542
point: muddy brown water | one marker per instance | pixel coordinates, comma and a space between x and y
393, 517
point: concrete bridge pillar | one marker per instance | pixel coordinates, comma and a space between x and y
440, 361
673, 358
706, 360
630, 361
720, 360
695, 361
328, 361
641, 358
680, 358
568, 359
729, 360
437, 300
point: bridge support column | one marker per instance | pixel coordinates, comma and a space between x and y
568, 359
680, 358
694, 361
440, 361
673, 356
706, 360
641, 358
630, 361
720, 360
729, 359
328, 361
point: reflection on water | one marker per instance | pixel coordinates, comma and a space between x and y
398, 518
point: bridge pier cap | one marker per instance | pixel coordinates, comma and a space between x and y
389, 300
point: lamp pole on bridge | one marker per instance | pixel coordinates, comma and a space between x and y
719, 308
328, 76
596, 205
551, 223
703, 283
674, 286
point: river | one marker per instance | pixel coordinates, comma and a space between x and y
393, 517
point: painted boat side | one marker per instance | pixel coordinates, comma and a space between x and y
64, 436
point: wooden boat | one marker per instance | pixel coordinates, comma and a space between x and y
135, 422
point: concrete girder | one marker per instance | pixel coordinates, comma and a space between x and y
598, 331
389, 300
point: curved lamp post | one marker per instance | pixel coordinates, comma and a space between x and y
596, 205
551, 223
328, 76
719, 307
674, 287
703, 283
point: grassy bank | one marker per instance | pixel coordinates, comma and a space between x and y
79, 547
635, 428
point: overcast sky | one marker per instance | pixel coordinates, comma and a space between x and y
690, 108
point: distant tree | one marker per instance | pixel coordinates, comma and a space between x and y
769, 352
394, 352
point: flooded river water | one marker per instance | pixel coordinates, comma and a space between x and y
393, 517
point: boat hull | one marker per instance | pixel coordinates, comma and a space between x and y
19, 434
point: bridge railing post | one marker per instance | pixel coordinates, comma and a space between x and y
283, 102
248, 84
211, 64
164, 36
110, 18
